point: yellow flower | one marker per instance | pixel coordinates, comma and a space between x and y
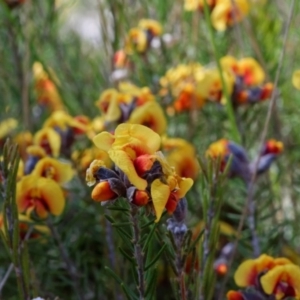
109, 103
140, 95
136, 41
152, 26
246, 68
249, 271
151, 115
53, 169
46, 89
182, 156
62, 120
209, 85
218, 149
287, 275
296, 79
225, 13
41, 195
49, 140
129, 142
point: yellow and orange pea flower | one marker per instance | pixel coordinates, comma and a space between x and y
151, 115
219, 149
268, 275
139, 38
39, 195
48, 139
136, 41
128, 143
282, 281
46, 90
133, 148
133, 105
248, 272
273, 146
227, 13
53, 169
63, 121
182, 156
249, 77
246, 68
109, 104
140, 95
153, 27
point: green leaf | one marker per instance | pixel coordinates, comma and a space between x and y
156, 258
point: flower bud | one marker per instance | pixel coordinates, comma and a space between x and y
140, 198
103, 192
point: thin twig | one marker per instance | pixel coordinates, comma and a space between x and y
230, 113
71, 269
138, 254
262, 141
11, 266
111, 250
251, 222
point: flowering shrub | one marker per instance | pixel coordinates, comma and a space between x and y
152, 154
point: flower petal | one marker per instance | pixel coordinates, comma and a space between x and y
289, 274
137, 136
52, 195
184, 185
104, 140
151, 115
123, 161
160, 193
51, 168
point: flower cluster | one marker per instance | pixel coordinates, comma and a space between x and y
266, 278
133, 105
240, 165
141, 174
193, 85
223, 13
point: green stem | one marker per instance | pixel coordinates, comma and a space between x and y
70, 267
138, 253
235, 135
